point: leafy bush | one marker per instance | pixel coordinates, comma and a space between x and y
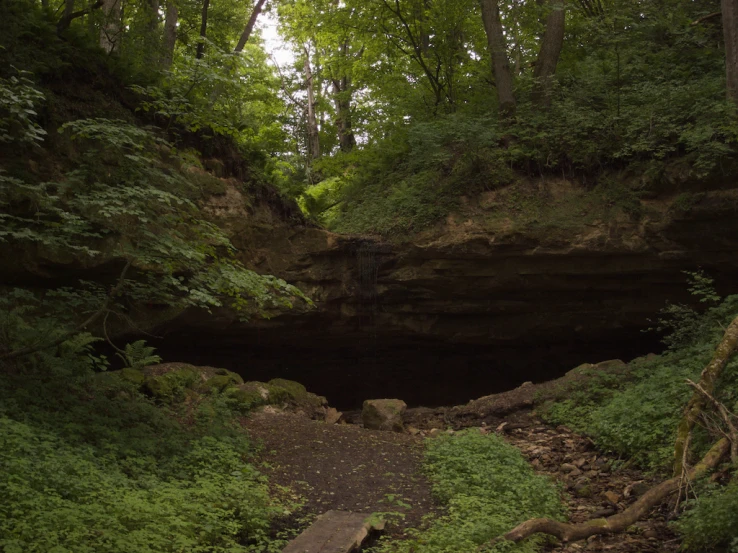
130, 198
637, 418
711, 520
89, 464
488, 488
18, 99
57, 497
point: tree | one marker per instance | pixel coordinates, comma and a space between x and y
203, 29
169, 39
730, 37
548, 55
549, 52
250, 25
111, 32
313, 136
498, 52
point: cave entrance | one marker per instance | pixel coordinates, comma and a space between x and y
422, 372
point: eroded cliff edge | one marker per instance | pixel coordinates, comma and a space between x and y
481, 292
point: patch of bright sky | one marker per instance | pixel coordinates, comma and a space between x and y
276, 46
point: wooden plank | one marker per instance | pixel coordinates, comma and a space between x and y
334, 532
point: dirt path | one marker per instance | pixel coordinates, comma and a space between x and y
344, 467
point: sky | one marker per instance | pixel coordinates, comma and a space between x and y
273, 43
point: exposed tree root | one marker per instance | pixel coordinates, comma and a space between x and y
619, 522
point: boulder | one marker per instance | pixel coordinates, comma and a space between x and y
383, 414
332, 415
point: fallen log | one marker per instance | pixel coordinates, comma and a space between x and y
710, 374
618, 522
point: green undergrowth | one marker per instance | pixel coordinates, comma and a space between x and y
635, 417
88, 463
487, 488
711, 521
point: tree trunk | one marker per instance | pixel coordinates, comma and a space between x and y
342, 95
111, 31
250, 25
153, 15
498, 51
169, 39
709, 376
548, 55
730, 35
203, 29
313, 143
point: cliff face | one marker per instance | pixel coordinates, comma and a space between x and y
476, 305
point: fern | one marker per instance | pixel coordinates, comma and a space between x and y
137, 355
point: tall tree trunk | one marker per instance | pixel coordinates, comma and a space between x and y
110, 34
419, 8
170, 34
68, 10
498, 51
548, 55
342, 95
250, 25
203, 29
313, 145
70, 15
730, 35
152, 7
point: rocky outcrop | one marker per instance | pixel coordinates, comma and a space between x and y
482, 293
174, 383
500, 293
467, 282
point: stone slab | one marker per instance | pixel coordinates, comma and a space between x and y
335, 532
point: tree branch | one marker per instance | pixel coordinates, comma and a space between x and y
90, 320
705, 18
249, 26
727, 417
67, 18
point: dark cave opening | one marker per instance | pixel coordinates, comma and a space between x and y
422, 372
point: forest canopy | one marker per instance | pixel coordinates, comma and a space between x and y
420, 101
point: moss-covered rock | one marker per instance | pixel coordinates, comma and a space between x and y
295, 390
220, 380
171, 386
134, 376
251, 395
298, 395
